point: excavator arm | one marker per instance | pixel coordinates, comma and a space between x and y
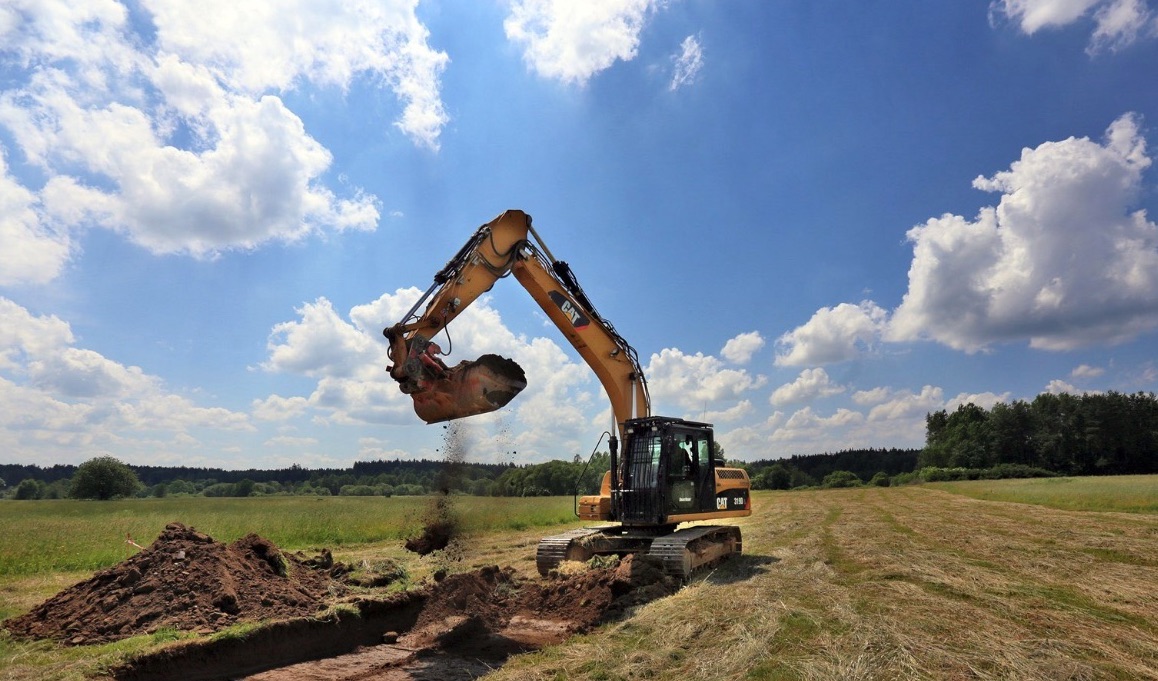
508, 245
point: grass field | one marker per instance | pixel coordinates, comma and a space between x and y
868, 583
67, 535
1128, 493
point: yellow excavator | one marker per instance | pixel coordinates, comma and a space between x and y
668, 472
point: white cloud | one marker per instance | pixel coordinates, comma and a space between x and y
1117, 23
984, 400
348, 360
178, 138
870, 397
33, 252
259, 47
1061, 261
321, 344
687, 63
811, 384
282, 441
905, 404
832, 335
739, 350
572, 41
65, 404
896, 419
1086, 371
741, 410
695, 383
278, 408
1058, 386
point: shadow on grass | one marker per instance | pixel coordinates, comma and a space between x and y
739, 568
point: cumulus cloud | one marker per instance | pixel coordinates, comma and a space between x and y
695, 383
832, 335
259, 47
178, 137
33, 252
572, 41
811, 384
886, 417
741, 410
1117, 23
1086, 371
1061, 260
346, 357
1059, 387
985, 400
688, 63
69, 403
320, 343
739, 350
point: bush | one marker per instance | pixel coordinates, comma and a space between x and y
881, 479
358, 491
1015, 470
103, 478
841, 479
28, 489
904, 479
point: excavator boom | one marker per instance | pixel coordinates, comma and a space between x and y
508, 245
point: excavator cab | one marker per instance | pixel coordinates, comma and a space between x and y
668, 474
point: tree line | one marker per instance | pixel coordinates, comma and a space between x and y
1094, 434
1104, 434
364, 478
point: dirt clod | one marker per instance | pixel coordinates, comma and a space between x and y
185, 580
436, 535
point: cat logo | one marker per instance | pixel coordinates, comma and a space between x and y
577, 318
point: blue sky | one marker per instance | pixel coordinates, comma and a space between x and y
815, 223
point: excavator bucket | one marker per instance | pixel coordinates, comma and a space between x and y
443, 393
469, 388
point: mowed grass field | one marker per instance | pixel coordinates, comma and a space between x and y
915, 582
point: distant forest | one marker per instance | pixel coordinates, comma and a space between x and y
1103, 434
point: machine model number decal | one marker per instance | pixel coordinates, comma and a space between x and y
731, 501
577, 318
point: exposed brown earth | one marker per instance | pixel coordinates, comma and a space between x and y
459, 626
185, 581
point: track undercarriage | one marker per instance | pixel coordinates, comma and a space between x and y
682, 552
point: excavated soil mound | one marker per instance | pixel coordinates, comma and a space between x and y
459, 628
489, 600
187, 581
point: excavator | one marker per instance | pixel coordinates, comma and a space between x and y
668, 472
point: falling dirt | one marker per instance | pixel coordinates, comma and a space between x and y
186, 581
440, 522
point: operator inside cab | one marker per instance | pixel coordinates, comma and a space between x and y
682, 476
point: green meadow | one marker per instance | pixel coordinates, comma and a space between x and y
1122, 493
68, 535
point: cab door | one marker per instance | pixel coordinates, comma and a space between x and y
691, 488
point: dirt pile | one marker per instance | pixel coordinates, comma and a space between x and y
490, 601
459, 628
185, 580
